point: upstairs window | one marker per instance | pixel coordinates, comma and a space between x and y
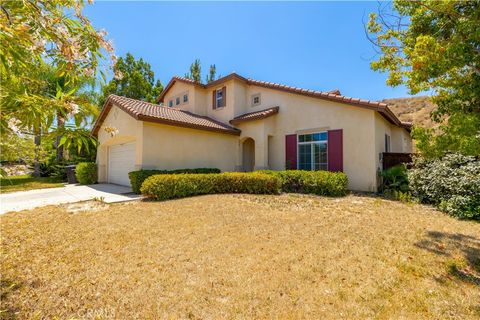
312, 151
256, 100
177, 101
170, 103
185, 98
219, 98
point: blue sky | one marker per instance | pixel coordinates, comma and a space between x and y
314, 45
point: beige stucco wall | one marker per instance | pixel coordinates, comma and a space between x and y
178, 90
170, 147
129, 130
400, 139
299, 114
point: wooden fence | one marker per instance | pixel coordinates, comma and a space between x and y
391, 159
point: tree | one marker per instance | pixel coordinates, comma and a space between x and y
212, 74
195, 71
133, 79
435, 45
31, 33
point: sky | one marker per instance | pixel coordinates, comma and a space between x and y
313, 45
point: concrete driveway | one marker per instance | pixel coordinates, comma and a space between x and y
23, 200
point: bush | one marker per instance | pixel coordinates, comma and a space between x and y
395, 179
170, 186
451, 183
86, 173
322, 183
138, 177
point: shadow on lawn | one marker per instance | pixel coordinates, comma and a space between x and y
446, 244
7, 287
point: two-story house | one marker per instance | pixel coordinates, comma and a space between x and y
239, 124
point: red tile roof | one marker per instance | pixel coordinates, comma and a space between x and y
150, 112
333, 95
256, 115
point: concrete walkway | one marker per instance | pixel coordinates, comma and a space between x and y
23, 200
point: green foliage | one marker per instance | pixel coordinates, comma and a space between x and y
167, 186
451, 183
434, 46
395, 179
133, 79
323, 183
138, 177
195, 71
38, 31
86, 173
211, 74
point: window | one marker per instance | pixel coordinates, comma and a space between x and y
387, 143
219, 98
256, 100
170, 103
177, 101
185, 98
312, 151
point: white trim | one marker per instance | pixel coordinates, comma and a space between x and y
312, 155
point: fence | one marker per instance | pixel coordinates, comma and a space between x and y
391, 159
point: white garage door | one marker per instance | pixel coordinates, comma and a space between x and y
121, 161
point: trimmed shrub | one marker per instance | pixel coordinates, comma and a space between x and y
324, 183
138, 177
171, 186
86, 172
451, 183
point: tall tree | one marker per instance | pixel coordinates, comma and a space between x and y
434, 45
33, 32
133, 79
195, 71
211, 74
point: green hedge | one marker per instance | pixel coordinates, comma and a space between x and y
86, 173
168, 186
137, 177
322, 183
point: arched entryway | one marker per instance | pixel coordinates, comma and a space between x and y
248, 154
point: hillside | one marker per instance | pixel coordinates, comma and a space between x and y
414, 109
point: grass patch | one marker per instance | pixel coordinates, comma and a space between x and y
27, 182
241, 256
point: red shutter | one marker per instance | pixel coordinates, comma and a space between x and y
335, 150
214, 99
291, 151
224, 96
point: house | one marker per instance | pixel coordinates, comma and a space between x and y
239, 124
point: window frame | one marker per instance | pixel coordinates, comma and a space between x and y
257, 95
388, 143
217, 106
312, 151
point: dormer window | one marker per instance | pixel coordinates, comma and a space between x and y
170, 103
219, 98
256, 100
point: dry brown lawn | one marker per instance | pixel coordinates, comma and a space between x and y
240, 257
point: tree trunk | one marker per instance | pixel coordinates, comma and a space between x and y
36, 161
60, 126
